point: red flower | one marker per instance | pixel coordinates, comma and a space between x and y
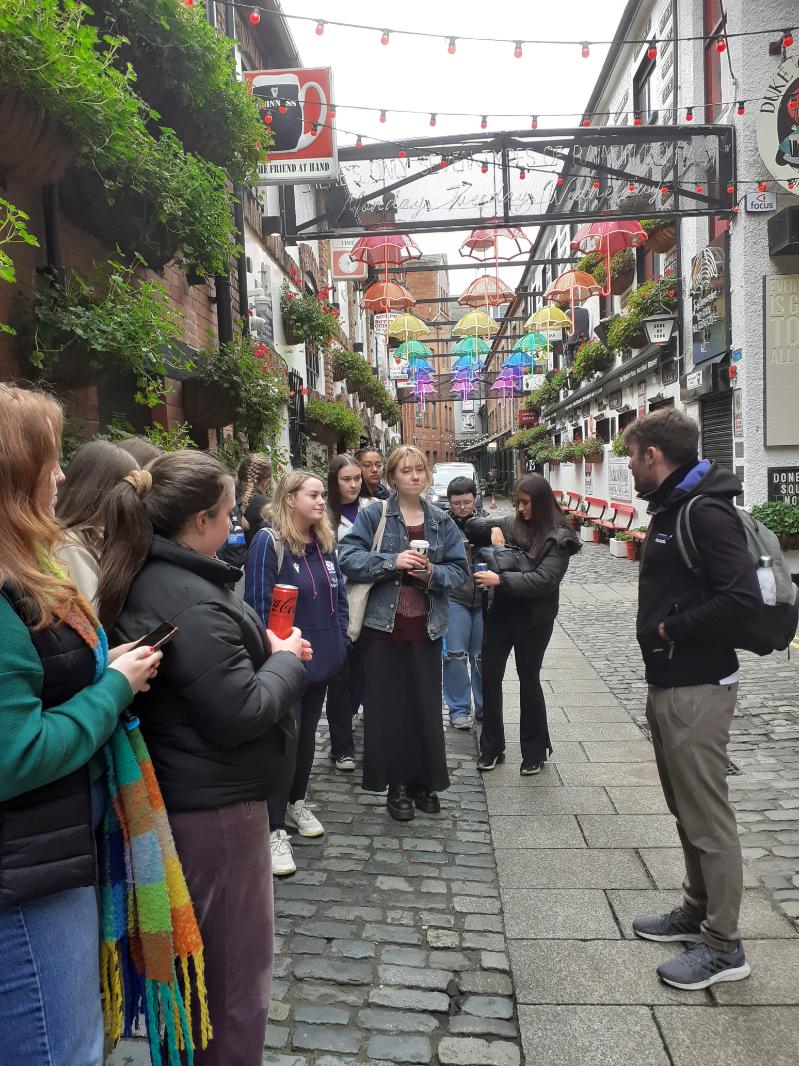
671, 293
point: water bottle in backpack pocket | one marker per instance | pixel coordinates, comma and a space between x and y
773, 626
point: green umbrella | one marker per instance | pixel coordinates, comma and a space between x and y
530, 342
471, 346
409, 349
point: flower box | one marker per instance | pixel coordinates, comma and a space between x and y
589, 534
618, 548
207, 405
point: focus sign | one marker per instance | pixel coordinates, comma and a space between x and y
295, 105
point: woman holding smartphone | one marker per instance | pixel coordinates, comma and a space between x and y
217, 722
419, 557
299, 550
521, 616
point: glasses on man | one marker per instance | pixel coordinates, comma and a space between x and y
461, 504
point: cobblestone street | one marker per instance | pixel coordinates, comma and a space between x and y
500, 931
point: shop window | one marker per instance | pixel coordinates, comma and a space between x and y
626, 418
659, 402
603, 430
643, 91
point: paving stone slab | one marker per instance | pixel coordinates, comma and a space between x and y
393, 1021
775, 975
488, 1006
545, 801
611, 712
597, 971
507, 775
471, 1025
571, 868
558, 914
326, 1038
667, 868
414, 1049
412, 977
734, 1036
760, 918
581, 1035
617, 733
638, 799
635, 751
410, 999
629, 830
542, 831
471, 1051
610, 774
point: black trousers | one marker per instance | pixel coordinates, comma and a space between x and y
308, 714
344, 697
508, 628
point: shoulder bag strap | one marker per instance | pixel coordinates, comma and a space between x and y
686, 545
381, 527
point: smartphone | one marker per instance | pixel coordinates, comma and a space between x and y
160, 636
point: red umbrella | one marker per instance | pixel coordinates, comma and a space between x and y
607, 238
486, 291
496, 242
384, 296
392, 249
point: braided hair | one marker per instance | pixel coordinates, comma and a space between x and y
255, 467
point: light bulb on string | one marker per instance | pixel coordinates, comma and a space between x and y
664, 191
484, 122
320, 28
721, 45
559, 180
451, 46
314, 129
534, 122
517, 51
762, 186
282, 107
522, 174
699, 188
741, 109
586, 121
358, 142
652, 51
268, 118
189, 3
443, 162
736, 209
255, 16
689, 114
332, 112
585, 51
631, 186
402, 153
787, 39
731, 189
484, 168
637, 120
791, 185
384, 37
595, 184
382, 116
433, 119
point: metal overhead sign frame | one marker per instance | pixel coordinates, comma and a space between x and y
524, 178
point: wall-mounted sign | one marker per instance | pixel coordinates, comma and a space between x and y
670, 372
783, 484
781, 359
619, 482
709, 305
760, 203
738, 414
778, 124
706, 380
342, 268
527, 418
589, 479
614, 399
298, 102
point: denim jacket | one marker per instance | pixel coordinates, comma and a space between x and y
359, 563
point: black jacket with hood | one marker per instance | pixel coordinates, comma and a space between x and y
539, 589
467, 594
218, 718
700, 617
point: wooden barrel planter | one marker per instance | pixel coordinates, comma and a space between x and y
30, 143
207, 405
663, 240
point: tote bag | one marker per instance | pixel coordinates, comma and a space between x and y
358, 592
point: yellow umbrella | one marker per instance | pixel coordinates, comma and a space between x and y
547, 320
408, 328
475, 324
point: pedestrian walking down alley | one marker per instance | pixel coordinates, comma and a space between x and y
500, 932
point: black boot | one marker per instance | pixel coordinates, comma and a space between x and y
399, 804
424, 799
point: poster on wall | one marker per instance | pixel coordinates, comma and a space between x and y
778, 124
589, 479
295, 104
738, 414
619, 481
342, 267
709, 306
781, 359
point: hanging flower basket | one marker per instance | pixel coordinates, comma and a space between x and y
621, 282
30, 144
207, 405
663, 240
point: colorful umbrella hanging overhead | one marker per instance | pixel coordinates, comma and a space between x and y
475, 324
462, 385
422, 388
507, 381
496, 242
486, 291
392, 249
385, 296
408, 327
548, 320
410, 348
606, 238
471, 346
572, 287
518, 361
531, 342
472, 364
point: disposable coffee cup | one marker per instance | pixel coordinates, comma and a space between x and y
422, 546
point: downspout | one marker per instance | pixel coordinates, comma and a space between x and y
680, 302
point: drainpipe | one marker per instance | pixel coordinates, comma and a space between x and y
53, 234
238, 206
676, 49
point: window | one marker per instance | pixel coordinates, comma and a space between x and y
435, 457
433, 416
311, 368
713, 16
427, 455
643, 91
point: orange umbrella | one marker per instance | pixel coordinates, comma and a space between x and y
486, 291
572, 287
384, 296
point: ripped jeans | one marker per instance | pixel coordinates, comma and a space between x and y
464, 639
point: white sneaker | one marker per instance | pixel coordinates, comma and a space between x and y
300, 817
345, 763
283, 862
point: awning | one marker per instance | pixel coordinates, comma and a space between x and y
647, 360
476, 445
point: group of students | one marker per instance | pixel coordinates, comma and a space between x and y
132, 539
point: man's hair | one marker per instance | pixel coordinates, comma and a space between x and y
459, 486
669, 430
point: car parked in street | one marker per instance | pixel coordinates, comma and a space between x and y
443, 473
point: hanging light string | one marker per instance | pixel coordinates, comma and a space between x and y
450, 40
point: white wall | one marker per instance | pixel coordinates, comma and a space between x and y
571, 477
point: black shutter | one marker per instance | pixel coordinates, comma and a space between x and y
717, 429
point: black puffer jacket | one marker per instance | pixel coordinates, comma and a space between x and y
218, 718
540, 588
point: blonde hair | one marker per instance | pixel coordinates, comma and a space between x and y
255, 467
30, 443
404, 452
282, 516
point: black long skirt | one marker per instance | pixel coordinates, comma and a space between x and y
403, 716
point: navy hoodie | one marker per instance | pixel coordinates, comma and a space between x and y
321, 611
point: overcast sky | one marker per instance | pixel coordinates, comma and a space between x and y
480, 78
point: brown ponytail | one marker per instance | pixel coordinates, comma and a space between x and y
179, 486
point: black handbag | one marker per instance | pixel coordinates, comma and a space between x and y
507, 559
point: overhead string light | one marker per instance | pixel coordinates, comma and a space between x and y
534, 122
433, 119
484, 122
320, 27
740, 109
385, 37
689, 114
451, 46
255, 16
517, 51
787, 39
585, 51
382, 116
721, 45
652, 51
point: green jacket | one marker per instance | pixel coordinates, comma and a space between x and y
38, 745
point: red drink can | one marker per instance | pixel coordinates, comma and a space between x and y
281, 616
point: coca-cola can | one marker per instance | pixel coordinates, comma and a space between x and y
281, 616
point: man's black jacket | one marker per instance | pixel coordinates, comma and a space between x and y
700, 616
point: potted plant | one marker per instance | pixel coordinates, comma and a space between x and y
622, 546
589, 534
660, 229
782, 519
333, 422
619, 446
626, 332
592, 357
622, 269
593, 449
523, 439
309, 319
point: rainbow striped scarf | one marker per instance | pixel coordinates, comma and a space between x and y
147, 916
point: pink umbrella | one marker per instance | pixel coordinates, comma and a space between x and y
392, 249
423, 388
496, 242
607, 238
486, 291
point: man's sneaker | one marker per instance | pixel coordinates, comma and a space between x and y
300, 817
283, 862
345, 763
460, 720
678, 925
528, 769
702, 966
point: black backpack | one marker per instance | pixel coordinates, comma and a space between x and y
769, 628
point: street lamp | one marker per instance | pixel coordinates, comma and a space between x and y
659, 328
